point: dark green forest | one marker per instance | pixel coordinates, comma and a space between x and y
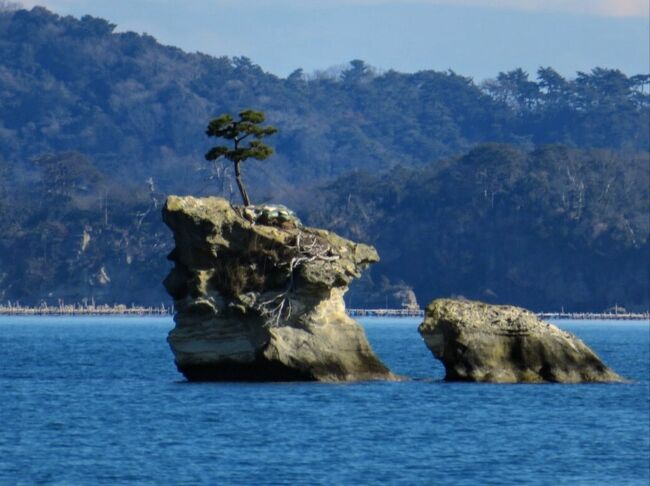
523, 189
548, 228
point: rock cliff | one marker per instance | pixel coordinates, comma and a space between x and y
504, 344
259, 297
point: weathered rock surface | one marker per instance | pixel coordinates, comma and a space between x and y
504, 344
260, 297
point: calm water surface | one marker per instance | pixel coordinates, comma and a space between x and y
99, 401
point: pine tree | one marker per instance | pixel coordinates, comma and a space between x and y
247, 127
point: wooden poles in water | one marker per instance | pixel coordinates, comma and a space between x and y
91, 309
15, 309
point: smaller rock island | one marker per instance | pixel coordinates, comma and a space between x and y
503, 344
259, 296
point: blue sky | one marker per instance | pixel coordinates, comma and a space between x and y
477, 38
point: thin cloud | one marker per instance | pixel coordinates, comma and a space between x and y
607, 8
610, 8
31, 3
55, 4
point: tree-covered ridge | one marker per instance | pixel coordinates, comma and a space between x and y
137, 108
70, 232
96, 127
550, 228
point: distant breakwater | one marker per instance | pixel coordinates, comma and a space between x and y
385, 312
15, 309
600, 316
621, 316
84, 310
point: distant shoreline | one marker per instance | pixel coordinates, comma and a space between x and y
123, 310
619, 316
85, 310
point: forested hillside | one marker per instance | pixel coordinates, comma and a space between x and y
139, 109
547, 229
96, 127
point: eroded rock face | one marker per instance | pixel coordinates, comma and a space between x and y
504, 344
260, 297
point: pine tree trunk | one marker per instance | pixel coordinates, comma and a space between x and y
240, 184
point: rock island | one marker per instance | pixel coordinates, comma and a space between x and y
259, 296
506, 344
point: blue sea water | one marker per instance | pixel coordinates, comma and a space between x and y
99, 401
